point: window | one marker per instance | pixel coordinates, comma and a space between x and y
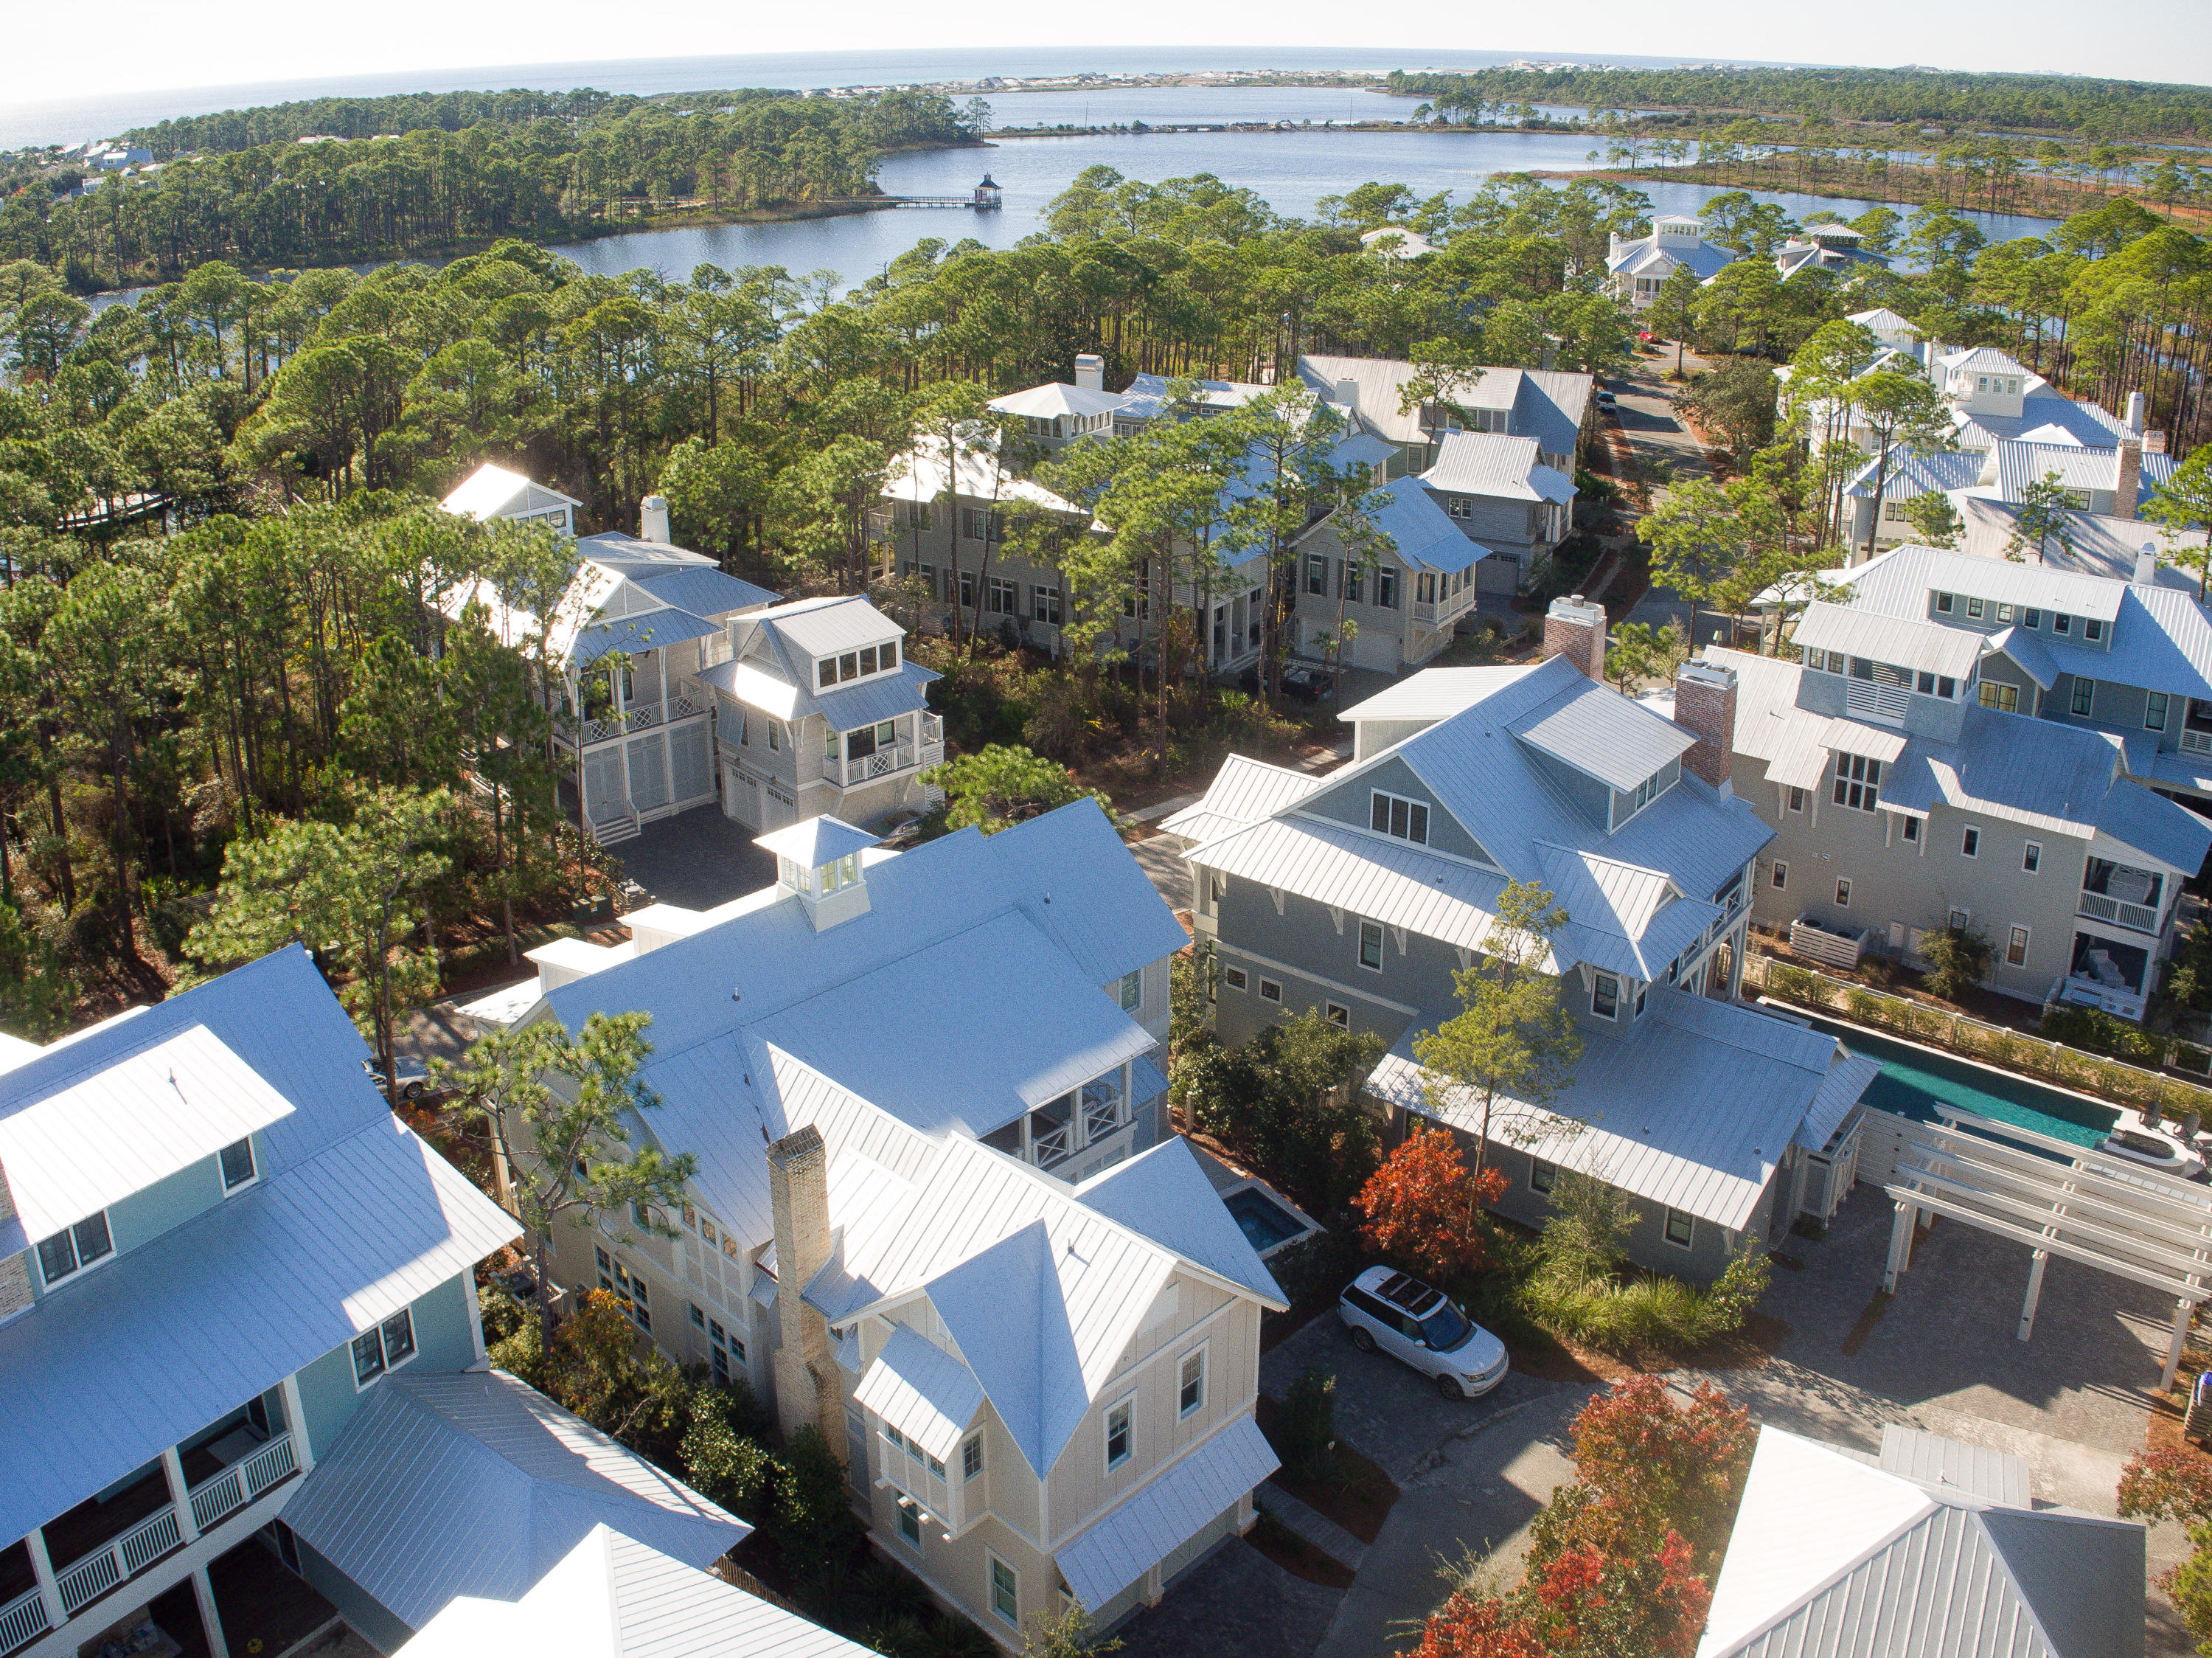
909, 1521
1132, 991
1398, 817
1781, 876
75, 1246
1270, 991
2092, 630
1317, 577
1960, 917
1970, 843
1844, 894
1339, 1016
1640, 990
2060, 623
1460, 506
775, 735
1605, 995
1118, 1437
1002, 597
2031, 856
238, 1164
1974, 608
971, 1458
1542, 1176
967, 588
1858, 782
1681, 1230
2004, 612
2031, 617
1942, 604
825, 673
387, 1347
1190, 1385
1349, 581
1370, 945
1911, 829
2154, 705
698, 1318
2005, 698
1386, 587
1006, 1590
2016, 948
2085, 697
1797, 799
1234, 978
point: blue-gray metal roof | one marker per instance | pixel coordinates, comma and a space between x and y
2163, 829
652, 630
703, 591
226, 1306
479, 1485
1595, 730
884, 696
1909, 474
1421, 531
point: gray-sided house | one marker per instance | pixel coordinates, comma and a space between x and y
817, 711
1393, 606
1360, 894
627, 642
1933, 1546
938, 1211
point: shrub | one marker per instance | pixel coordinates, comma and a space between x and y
1315, 1268
734, 1471
2095, 1031
1425, 1207
1958, 959
1306, 1430
814, 1519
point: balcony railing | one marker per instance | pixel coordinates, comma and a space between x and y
887, 762
124, 1557
22, 1620
638, 716
2137, 917
1054, 1146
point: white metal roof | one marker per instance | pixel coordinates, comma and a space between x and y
921, 475
1884, 638
1489, 464
612, 1597
477, 1483
816, 841
145, 1118
1883, 320
1057, 398
1165, 1512
922, 1391
1243, 789
491, 490
1595, 730
1162, 1194
825, 627
1434, 693
2103, 545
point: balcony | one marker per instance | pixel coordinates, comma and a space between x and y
902, 756
636, 717
2122, 896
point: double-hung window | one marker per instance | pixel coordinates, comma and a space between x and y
1386, 587
1318, 576
971, 1458
909, 1521
1781, 875
1003, 597
2155, 706
1119, 1439
1370, 945
75, 1247
1681, 1229
1006, 1591
1190, 1382
237, 1160
1605, 995
387, 1347
2031, 856
1970, 843
2085, 698
1132, 991
1858, 782
1398, 817
1044, 605
1542, 1176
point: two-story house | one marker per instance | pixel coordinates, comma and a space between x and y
938, 1211
494, 492
1835, 249
1361, 895
640, 620
1395, 602
1636, 267
818, 710
231, 1277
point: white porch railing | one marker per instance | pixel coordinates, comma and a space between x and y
118, 1558
881, 764
1101, 1117
22, 1620
1885, 702
1054, 1146
240, 1483
2137, 917
638, 716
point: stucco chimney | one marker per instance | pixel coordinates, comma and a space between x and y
1575, 629
1704, 706
1935, 365
1090, 372
1347, 393
1613, 246
2127, 477
807, 1384
2146, 562
652, 518
2136, 413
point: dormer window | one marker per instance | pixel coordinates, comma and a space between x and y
75, 1247
1400, 817
238, 1164
1858, 782
2060, 623
2092, 630
856, 664
1649, 790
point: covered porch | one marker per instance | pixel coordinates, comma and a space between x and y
2109, 973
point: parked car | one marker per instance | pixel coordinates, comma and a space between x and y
2157, 1151
414, 1076
1307, 685
905, 831
1606, 400
1421, 1326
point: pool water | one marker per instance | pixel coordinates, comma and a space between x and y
1913, 1082
1264, 1223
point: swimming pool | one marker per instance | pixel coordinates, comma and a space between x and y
1914, 1082
1264, 1221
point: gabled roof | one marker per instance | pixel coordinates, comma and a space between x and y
1981, 360
2041, 406
1420, 531
1243, 789
1484, 463
2020, 463
1901, 641
1595, 730
772, 667
1833, 1557
922, 1391
1160, 1515
612, 1597
1147, 395
1693, 1106
1547, 404
921, 475
1057, 398
491, 490
1162, 1194
1912, 472
146, 1116
1433, 694
1883, 320
477, 1483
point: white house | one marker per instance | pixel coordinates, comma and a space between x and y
1639, 267
492, 492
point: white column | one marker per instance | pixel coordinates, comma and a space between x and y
1737, 945
1900, 1248
172, 1470
295, 1419
2034, 1294
211, 1620
2181, 1313
1155, 1586
34, 1544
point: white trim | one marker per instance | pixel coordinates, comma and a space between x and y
1127, 1402
991, 1565
1184, 1412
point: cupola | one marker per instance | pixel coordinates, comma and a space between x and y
820, 861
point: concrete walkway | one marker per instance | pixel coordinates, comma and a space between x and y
1308, 1522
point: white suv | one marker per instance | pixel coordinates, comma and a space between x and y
1416, 1323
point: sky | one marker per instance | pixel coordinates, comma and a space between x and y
57, 53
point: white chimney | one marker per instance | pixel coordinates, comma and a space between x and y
2146, 562
1935, 365
1347, 393
652, 518
1613, 246
2136, 413
1090, 372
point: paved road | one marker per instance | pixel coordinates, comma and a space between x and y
1646, 403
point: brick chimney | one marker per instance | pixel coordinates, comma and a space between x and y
1704, 706
1575, 629
807, 1389
2127, 477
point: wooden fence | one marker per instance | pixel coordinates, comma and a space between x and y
2031, 1056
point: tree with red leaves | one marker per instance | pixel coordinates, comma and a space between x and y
1586, 1602
1423, 1206
1655, 1466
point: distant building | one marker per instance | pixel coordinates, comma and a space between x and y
1835, 249
1639, 268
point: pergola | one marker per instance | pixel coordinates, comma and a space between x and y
2058, 1198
